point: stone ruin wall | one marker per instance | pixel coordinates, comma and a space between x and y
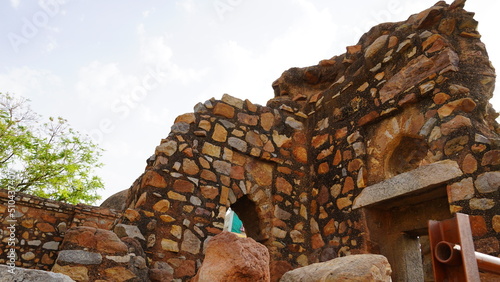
298, 171
41, 226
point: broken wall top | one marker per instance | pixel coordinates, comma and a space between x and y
435, 54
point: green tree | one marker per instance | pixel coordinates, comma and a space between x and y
49, 159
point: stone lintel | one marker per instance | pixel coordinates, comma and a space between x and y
408, 183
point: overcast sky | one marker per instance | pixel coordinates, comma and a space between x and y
121, 71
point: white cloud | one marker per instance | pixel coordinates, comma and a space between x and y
29, 82
302, 44
15, 3
187, 5
154, 50
51, 45
103, 83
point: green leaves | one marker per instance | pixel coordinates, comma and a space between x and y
48, 160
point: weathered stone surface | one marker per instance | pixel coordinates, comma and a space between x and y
102, 241
152, 178
169, 245
224, 110
31, 275
408, 182
77, 273
462, 190
455, 124
416, 71
491, 158
190, 243
349, 268
394, 103
231, 258
162, 206
119, 274
79, 257
116, 201
238, 144
488, 182
185, 186
168, 148
376, 46
481, 203
125, 230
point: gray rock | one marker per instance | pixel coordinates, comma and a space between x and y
238, 144
52, 245
132, 231
30, 275
349, 268
180, 127
293, 123
79, 257
488, 182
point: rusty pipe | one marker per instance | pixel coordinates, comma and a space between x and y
450, 254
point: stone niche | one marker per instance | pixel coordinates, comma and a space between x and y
352, 156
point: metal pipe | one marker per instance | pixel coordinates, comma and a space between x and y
450, 254
447, 254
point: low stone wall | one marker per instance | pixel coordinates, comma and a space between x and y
35, 227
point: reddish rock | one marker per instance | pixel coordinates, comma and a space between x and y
317, 241
338, 158
329, 227
45, 227
181, 185
300, 154
224, 110
220, 133
253, 138
208, 175
283, 186
348, 185
323, 168
477, 225
152, 178
189, 167
160, 275
367, 118
469, 164
232, 258
455, 124
209, 192
161, 206
440, 98
319, 140
248, 119
491, 158
186, 268
278, 268
416, 71
238, 172
261, 172
104, 241
487, 246
187, 118
267, 121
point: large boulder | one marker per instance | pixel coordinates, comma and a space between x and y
373, 268
232, 258
116, 201
30, 275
